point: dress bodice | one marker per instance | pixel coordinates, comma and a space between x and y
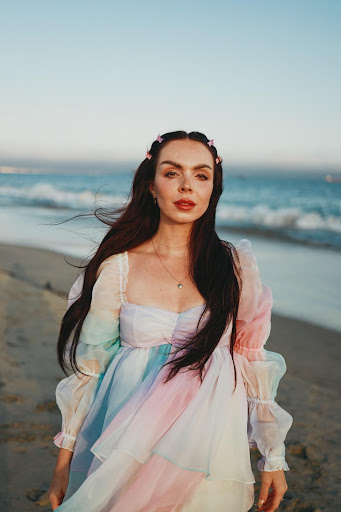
147, 326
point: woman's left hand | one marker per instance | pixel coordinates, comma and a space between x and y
276, 480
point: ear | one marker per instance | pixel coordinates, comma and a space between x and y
151, 189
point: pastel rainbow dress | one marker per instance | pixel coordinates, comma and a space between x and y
141, 445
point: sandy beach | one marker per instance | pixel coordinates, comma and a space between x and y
33, 288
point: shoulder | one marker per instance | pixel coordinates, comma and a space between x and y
114, 264
245, 251
108, 290
111, 277
247, 261
243, 254
246, 266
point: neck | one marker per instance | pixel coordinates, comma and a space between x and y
173, 239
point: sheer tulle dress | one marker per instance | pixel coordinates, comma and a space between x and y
144, 446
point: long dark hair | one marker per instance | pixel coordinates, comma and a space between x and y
212, 264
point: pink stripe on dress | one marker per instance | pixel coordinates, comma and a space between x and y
159, 486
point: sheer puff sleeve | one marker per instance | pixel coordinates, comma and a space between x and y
99, 341
268, 423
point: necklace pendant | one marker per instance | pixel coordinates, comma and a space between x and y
180, 285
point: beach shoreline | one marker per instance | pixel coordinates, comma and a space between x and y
34, 285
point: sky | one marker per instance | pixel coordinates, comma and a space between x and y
99, 80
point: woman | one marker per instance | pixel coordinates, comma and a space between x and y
169, 328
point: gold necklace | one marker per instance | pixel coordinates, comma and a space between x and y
180, 285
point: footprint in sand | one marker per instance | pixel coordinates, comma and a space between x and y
11, 398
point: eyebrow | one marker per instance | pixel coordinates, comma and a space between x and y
179, 166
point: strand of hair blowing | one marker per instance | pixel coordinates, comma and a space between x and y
213, 266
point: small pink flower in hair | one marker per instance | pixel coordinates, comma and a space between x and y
159, 138
148, 155
210, 142
218, 160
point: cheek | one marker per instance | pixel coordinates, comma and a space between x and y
205, 192
165, 189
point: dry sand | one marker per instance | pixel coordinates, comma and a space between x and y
33, 288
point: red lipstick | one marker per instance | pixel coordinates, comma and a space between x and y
184, 204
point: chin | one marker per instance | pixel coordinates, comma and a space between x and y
181, 218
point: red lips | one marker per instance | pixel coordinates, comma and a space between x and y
185, 201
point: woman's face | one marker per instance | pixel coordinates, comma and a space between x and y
184, 171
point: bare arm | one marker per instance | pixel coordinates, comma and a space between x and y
63, 459
60, 478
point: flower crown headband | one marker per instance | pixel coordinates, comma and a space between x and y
160, 139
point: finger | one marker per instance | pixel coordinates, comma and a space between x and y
268, 503
55, 502
275, 502
268, 506
263, 494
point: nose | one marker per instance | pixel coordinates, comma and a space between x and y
185, 185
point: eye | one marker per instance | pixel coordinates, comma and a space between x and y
202, 176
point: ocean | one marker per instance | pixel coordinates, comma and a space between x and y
303, 209
293, 222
